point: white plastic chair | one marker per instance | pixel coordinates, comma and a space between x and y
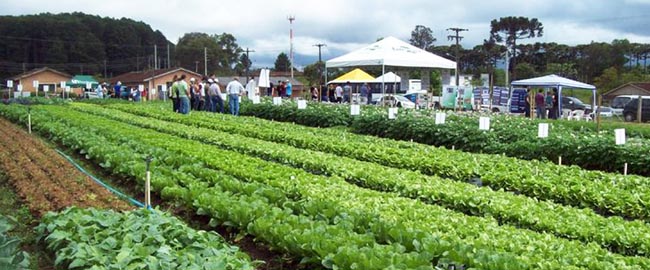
578, 114
567, 114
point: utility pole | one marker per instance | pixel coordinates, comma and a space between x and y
320, 72
205, 61
153, 76
196, 66
168, 55
249, 62
457, 37
291, 18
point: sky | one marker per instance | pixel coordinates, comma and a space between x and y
263, 26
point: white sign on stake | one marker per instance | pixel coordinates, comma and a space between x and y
163, 88
302, 104
256, 99
277, 101
17, 94
355, 109
440, 118
141, 87
620, 136
10, 83
20, 88
35, 84
484, 123
89, 85
46, 88
67, 89
392, 113
62, 84
224, 97
542, 131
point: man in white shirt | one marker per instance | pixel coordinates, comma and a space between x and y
338, 93
234, 90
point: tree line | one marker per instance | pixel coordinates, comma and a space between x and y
79, 43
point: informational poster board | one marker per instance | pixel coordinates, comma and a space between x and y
35, 84
277, 101
10, 84
256, 99
518, 100
46, 88
62, 84
19, 88
449, 96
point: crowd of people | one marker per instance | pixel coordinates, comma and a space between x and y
204, 95
546, 106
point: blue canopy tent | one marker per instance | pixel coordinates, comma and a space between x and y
559, 83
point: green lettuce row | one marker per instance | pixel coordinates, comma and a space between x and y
614, 233
138, 239
383, 256
606, 193
462, 132
541, 249
456, 251
11, 255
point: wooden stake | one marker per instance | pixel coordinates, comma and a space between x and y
559, 161
453, 147
625, 169
29, 123
147, 191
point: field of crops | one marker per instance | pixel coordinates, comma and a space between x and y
340, 200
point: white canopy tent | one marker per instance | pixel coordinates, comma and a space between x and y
559, 83
390, 51
389, 77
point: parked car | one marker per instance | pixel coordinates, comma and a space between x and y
619, 102
630, 110
395, 100
573, 104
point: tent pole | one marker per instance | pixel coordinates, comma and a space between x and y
327, 89
383, 79
559, 100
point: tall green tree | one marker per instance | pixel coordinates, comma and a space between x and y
282, 62
422, 37
511, 29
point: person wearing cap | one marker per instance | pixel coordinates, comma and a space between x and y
289, 88
215, 95
234, 90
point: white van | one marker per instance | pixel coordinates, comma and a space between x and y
619, 102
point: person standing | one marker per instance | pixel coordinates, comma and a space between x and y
215, 96
251, 88
540, 108
365, 92
173, 94
528, 100
549, 105
183, 95
269, 91
234, 90
314, 93
347, 91
289, 89
118, 89
100, 91
338, 93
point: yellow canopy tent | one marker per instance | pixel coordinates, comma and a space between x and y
355, 76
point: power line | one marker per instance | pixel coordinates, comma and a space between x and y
249, 61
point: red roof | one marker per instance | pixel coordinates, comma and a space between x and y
144, 76
39, 70
642, 85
